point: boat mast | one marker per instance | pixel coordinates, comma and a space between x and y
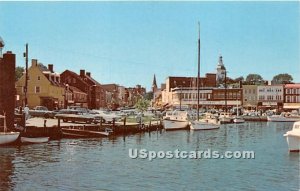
4, 123
198, 76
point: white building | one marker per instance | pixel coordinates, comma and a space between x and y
270, 96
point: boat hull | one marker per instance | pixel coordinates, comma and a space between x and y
34, 139
198, 125
238, 120
283, 119
8, 137
225, 120
293, 142
175, 125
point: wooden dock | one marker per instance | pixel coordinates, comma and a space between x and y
56, 129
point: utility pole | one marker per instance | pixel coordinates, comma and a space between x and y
26, 74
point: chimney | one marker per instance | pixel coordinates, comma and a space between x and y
88, 74
34, 62
50, 67
82, 73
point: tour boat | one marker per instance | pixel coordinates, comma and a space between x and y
284, 117
176, 120
7, 137
35, 139
198, 124
293, 138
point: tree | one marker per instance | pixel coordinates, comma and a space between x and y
142, 104
254, 78
239, 79
148, 95
282, 79
18, 72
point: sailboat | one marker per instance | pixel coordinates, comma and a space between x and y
7, 137
238, 119
205, 124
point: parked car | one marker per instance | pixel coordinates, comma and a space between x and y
68, 115
107, 117
41, 111
80, 109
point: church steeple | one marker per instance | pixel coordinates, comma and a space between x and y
220, 71
154, 85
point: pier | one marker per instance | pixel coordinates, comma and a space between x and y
56, 128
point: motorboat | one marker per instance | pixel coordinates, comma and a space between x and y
284, 117
5, 136
225, 118
293, 138
35, 139
176, 119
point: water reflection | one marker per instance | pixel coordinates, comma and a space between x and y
6, 167
103, 163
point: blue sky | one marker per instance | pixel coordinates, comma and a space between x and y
127, 42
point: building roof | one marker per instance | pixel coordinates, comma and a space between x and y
91, 81
73, 74
292, 85
74, 89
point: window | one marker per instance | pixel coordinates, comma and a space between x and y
39, 77
37, 89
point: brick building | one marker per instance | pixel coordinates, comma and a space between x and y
85, 83
7, 87
292, 96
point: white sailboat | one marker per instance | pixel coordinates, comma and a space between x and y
237, 118
201, 124
7, 137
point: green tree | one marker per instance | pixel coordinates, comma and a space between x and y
282, 79
239, 79
142, 104
254, 78
18, 72
148, 96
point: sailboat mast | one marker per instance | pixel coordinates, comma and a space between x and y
198, 76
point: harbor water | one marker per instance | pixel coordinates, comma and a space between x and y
104, 163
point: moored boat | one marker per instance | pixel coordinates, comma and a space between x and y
7, 137
284, 117
35, 139
238, 120
203, 125
293, 138
210, 122
176, 120
225, 118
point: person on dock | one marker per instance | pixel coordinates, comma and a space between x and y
26, 111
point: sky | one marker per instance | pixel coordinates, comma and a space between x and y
128, 42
